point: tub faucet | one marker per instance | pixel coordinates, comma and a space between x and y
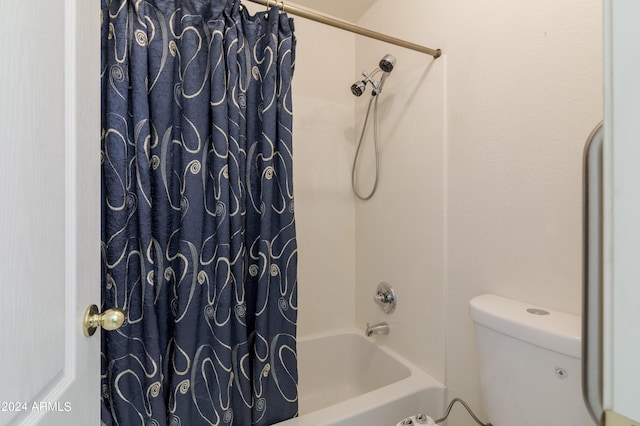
379, 328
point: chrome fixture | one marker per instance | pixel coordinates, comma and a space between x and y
386, 298
592, 261
385, 66
379, 328
358, 87
387, 63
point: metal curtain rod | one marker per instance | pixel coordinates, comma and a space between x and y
317, 17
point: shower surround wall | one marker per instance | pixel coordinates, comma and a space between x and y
323, 148
346, 247
400, 231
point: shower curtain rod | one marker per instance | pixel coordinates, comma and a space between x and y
323, 19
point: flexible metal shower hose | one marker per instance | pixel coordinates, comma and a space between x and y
374, 102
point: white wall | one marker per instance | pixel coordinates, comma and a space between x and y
525, 90
323, 148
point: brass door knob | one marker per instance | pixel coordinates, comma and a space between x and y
111, 319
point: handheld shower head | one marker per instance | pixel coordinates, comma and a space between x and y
387, 63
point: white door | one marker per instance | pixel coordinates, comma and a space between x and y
49, 211
621, 321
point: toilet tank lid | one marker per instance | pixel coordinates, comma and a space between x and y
544, 327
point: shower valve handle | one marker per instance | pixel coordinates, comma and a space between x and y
386, 298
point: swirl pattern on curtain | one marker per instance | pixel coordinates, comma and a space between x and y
198, 236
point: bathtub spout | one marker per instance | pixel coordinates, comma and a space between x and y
380, 328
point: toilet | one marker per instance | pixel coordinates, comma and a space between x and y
529, 359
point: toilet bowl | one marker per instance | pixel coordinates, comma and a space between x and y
530, 370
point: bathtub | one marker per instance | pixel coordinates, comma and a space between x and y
347, 379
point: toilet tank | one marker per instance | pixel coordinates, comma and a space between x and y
529, 363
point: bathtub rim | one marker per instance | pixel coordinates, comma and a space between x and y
417, 382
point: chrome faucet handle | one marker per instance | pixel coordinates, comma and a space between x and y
383, 298
386, 298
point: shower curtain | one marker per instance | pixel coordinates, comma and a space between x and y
198, 232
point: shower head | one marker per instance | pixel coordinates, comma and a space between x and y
387, 63
358, 87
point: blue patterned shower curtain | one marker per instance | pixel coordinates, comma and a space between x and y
198, 237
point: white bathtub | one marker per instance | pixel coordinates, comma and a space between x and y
347, 379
